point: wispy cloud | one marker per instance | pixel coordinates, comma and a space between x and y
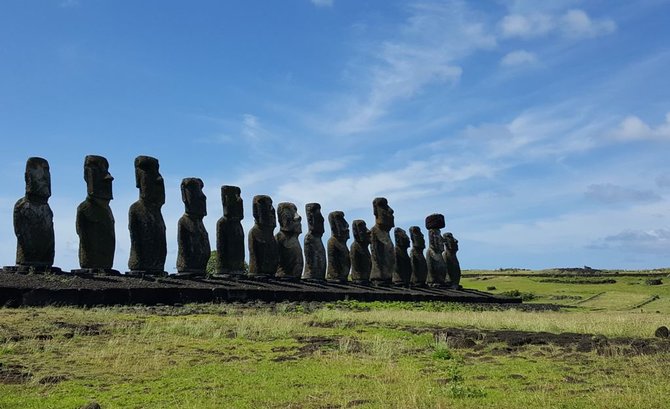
69, 3
610, 193
574, 23
518, 57
426, 51
654, 241
322, 3
634, 128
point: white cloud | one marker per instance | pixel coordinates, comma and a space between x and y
425, 51
526, 26
518, 57
322, 3
572, 24
69, 3
611, 193
251, 128
577, 24
633, 128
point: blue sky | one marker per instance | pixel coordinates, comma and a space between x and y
540, 129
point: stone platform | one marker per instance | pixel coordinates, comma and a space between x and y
66, 289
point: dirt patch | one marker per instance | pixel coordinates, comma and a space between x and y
13, 374
81, 329
310, 346
52, 379
513, 341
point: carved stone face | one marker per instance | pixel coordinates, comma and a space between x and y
97, 177
264, 212
450, 242
149, 180
435, 240
289, 219
315, 219
38, 178
193, 197
401, 239
233, 208
418, 240
338, 225
383, 214
361, 232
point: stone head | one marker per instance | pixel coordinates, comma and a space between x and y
383, 214
97, 177
435, 240
289, 219
361, 232
314, 219
193, 197
264, 212
38, 178
401, 239
338, 225
418, 240
149, 180
450, 242
231, 198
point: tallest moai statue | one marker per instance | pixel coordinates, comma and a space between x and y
33, 221
148, 246
95, 222
382, 249
230, 234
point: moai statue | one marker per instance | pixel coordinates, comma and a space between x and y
263, 250
95, 221
315, 252
338, 253
291, 261
403, 264
148, 245
230, 234
33, 221
437, 268
361, 261
453, 266
193, 250
382, 251
417, 258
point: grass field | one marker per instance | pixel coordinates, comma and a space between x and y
351, 354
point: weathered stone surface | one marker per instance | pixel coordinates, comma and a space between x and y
381, 246
437, 267
33, 219
230, 233
148, 245
403, 264
361, 261
450, 258
417, 258
193, 249
291, 261
95, 221
339, 262
435, 221
315, 252
263, 250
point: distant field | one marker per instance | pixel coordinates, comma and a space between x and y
595, 350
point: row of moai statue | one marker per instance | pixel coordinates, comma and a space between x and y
372, 259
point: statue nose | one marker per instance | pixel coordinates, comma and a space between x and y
109, 177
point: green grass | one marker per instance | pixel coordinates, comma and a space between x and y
337, 355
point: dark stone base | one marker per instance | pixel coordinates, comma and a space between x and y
33, 290
381, 283
337, 281
361, 282
146, 273
288, 279
24, 269
189, 274
96, 272
258, 277
232, 274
